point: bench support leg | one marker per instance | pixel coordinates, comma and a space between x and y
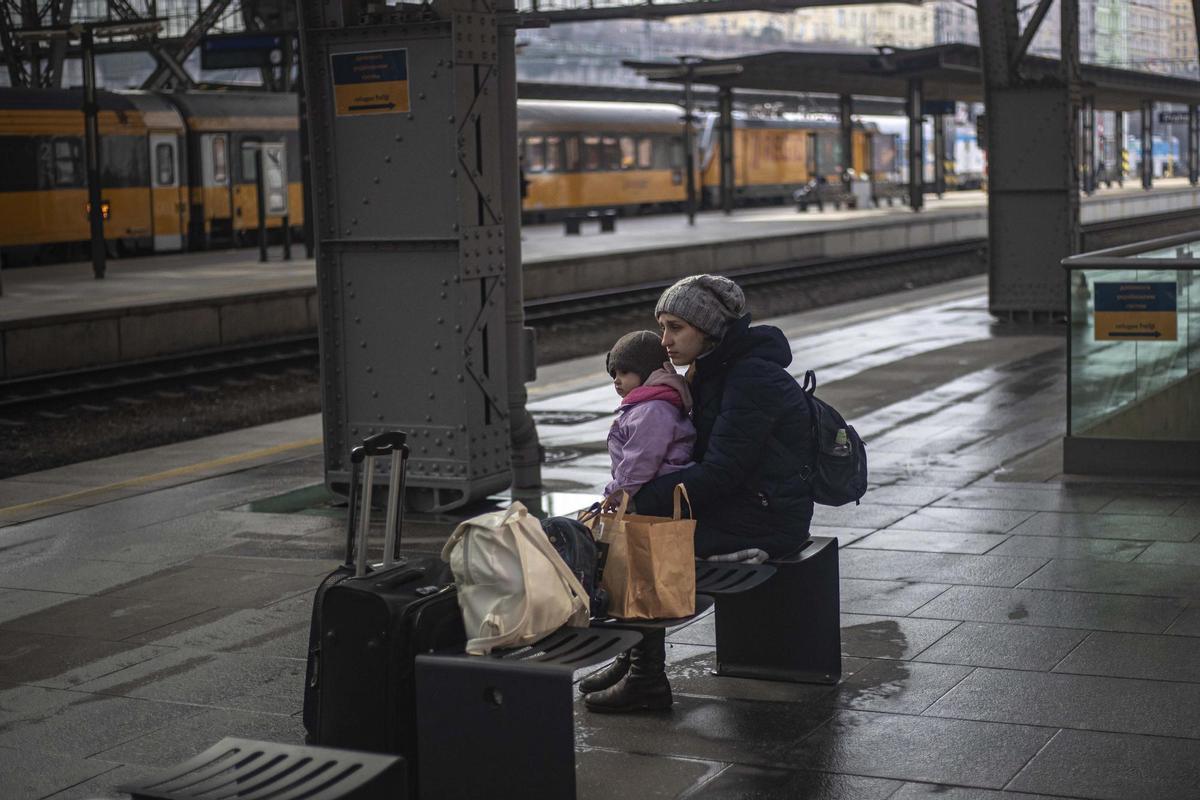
789, 628
494, 729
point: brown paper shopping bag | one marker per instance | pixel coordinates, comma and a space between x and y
650, 567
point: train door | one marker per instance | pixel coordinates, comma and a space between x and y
216, 192
166, 194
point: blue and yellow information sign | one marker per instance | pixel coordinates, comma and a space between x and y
1136, 311
375, 82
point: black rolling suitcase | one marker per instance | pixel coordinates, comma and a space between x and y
369, 623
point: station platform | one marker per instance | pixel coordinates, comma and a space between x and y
59, 317
1008, 631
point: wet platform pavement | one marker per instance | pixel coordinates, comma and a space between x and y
1008, 631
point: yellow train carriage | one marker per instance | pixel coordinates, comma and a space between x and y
43, 184
577, 155
225, 130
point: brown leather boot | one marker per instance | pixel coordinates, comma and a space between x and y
609, 676
645, 688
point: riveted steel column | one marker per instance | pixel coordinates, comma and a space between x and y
1033, 186
939, 155
1147, 125
408, 188
846, 129
916, 145
521, 343
91, 146
1193, 144
1087, 162
725, 128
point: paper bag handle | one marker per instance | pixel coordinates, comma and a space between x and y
682, 492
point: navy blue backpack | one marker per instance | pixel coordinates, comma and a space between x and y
838, 474
577, 548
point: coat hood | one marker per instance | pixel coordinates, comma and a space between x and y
742, 341
667, 376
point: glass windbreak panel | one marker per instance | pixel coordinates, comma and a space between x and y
1135, 354
1188, 251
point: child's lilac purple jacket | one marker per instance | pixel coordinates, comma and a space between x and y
652, 434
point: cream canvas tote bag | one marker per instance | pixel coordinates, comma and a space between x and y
512, 585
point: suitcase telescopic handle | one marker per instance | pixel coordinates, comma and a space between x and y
388, 443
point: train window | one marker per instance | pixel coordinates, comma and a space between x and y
554, 154
628, 153
645, 152
612, 153
67, 170
676, 154
572, 153
164, 163
591, 152
249, 164
535, 154
220, 160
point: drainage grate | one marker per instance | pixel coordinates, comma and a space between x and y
250, 770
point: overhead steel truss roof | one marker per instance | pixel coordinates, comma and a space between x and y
948, 72
585, 10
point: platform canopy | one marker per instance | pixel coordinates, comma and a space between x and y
947, 72
586, 10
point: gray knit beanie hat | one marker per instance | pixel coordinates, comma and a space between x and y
709, 302
641, 352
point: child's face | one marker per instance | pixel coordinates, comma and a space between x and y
626, 382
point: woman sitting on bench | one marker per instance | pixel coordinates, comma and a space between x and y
753, 444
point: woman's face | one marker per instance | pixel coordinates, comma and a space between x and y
684, 341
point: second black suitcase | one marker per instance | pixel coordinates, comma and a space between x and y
369, 624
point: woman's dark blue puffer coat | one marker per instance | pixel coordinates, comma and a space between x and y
753, 448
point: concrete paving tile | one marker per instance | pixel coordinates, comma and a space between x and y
932, 541
845, 536
1189, 509
277, 630
1065, 547
1110, 766
224, 587
735, 731
1117, 577
98, 668
963, 520
283, 566
67, 723
105, 786
1144, 504
107, 617
612, 775
1130, 655
35, 657
863, 516
938, 791
898, 687
1111, 526
15, 603
240, 681
29, 776
1057, 609
1186, 624
740, 782
890, 637
922, 476
1024, 499
691, 669
1004, 646
1187, 553
169, 746
17, 491
936, 567
905, 494
913, 748
699, 632
1079, 702
891, 598
70, 575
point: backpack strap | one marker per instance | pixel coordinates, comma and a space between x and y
809, 386
810, 382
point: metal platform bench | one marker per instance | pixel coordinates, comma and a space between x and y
250, 770
784, 625
502, 725
606, 218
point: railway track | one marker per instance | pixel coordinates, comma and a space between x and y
205, 371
